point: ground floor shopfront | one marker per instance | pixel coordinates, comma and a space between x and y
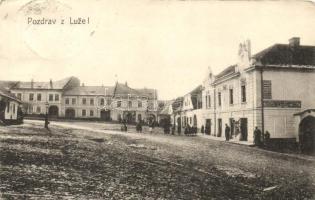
242, 124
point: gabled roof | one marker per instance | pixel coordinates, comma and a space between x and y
45, 85
90, 91
6, 93
125, 90
226, 71
60, 84
196, 95
177, 104
284, 54
7, 85
165, 110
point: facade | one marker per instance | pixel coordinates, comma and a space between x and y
67, 99
270, 90
9, 107
191, 111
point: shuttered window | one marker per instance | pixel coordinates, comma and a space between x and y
267, 89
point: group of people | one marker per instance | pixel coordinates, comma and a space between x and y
261, 139
190, 130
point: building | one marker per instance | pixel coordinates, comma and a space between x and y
191, 111
271, 90
66, 98
10, 111
134, 105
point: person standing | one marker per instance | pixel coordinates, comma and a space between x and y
257, 136
227, 132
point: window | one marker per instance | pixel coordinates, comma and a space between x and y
38, 110
91, 101
219, 98
73, 101
56, 97
51, 97
91, 113
139, 104
31, 97
13, 108
118, 104
39, 97
129, 104
231, 96
8, 106
108, 102
209, 101
83, 113
267, 89
19, 96
102, 102
67, 101
84, 101
243, 93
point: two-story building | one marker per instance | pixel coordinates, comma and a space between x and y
134, 105
36, 96
270, 90
67, 99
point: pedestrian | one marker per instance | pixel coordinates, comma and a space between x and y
267, 139
46, 122
173, 129
257, 136
227, 132
202, 129
139, 127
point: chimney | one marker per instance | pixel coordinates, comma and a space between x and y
32, 83
82, 85
51, 84
126, 84
294, 42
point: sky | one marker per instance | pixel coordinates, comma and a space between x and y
167, 45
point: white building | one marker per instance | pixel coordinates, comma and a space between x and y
272, 90
9, 107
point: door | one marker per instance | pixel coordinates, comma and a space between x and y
208, 127
105, 115
244, 129
219, 127
232, 127
70, 113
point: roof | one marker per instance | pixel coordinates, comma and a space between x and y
196, 95
284, 54
124, 90
45, 85
6, 93
226, 71
90, 91
7, 85
165, 109
178, 104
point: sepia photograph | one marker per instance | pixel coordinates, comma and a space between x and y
157, 99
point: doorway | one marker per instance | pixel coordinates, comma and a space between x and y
70, 113
105, 115
219, 127
232, 127
208, 127
53, 111
307, 135
244, 129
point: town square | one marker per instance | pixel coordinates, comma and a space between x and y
157, 101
